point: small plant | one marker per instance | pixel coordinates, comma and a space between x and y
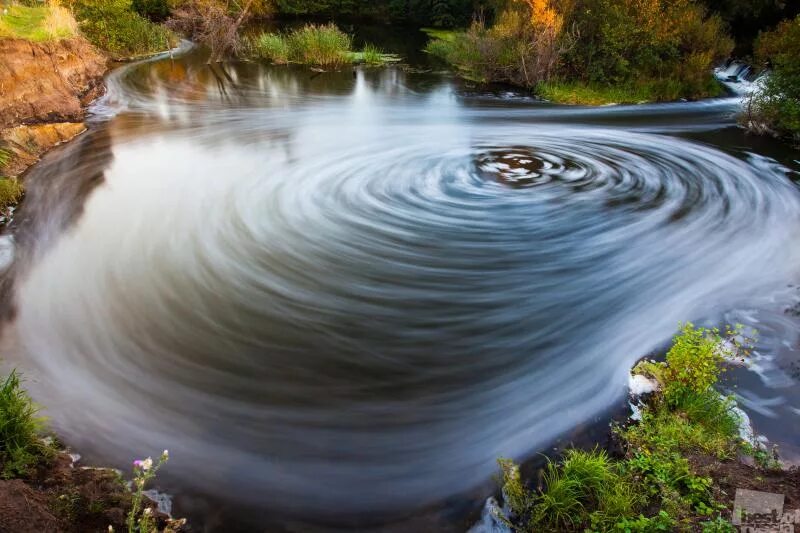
20, 425
144, 470
372, 55
272, 47
718, 525
694, 362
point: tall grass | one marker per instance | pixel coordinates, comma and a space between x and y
20, 445
39, 24
318, 45
10, 194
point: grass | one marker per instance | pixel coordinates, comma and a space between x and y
315, 45
21, 449
11, 192
580, 93
38, 24
653, 487
440, 34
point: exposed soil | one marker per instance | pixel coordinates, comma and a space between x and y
62, 497
44, 91
731, 475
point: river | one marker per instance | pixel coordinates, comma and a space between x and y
339, 297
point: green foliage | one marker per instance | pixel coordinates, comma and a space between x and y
372, 55
778, 104
272, 47
11, 192
140, 518
604, 51
584, 489
21, 449
37, 23
155, 10
643, 524
440, 13
694, 362
718, 525
654, 488
113, 26
320, 45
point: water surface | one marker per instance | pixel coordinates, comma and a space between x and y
341, 296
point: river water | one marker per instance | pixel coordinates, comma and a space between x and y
338, 297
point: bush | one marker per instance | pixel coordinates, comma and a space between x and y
663, 50
20, 446
155, 10
514, 50
777, 105
113, 26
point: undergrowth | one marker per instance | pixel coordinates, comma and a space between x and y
653, 487
21, 447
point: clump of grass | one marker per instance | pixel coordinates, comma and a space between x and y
322, 45
654, 487
272, 47
40, 23
21, 448
11, 192
317, 45
372, 55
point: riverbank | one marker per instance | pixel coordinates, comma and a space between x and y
44, 489
46, 89
680, 463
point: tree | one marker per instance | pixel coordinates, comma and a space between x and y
216, 23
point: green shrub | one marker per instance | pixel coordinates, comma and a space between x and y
20, 446
113, 26
694, 362
778, 103
155, 10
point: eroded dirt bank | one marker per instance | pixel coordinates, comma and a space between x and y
44, 91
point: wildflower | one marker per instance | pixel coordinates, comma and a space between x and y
144, 464
165, 454
147, 511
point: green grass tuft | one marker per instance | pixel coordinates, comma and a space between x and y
21, 449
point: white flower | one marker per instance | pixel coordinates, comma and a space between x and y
165, 454
147, 464
110, 529
148, 511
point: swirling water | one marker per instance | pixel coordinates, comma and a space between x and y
346, 294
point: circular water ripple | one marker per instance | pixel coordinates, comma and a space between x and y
352, 316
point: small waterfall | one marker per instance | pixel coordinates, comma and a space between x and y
740, 77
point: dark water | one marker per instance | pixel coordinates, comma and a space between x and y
338, 297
